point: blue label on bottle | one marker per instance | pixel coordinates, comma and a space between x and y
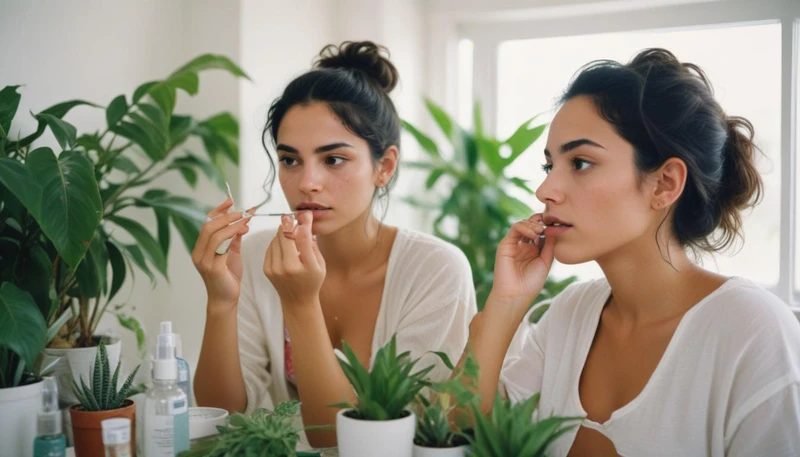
181, 439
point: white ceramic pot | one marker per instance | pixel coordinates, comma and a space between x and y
18, 410
362, 438
74, 363
421, 451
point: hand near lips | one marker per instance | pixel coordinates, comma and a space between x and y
293, 262
523, 261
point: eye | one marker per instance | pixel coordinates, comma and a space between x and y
333, 160
547, 167
581, 164
287, 161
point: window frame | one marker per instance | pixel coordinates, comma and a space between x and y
507, 20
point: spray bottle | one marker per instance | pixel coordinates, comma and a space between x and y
166, 419
50, 441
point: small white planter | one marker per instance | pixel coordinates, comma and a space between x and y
361, 438
74, 363
19, 407
421, 451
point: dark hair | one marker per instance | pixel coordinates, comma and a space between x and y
666, 108
355, 80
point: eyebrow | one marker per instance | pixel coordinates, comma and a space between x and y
570, 145
321, 149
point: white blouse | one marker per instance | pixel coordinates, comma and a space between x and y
728, 383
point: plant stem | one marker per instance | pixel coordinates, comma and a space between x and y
125, 186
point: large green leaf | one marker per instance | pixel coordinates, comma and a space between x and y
70, 201
116, 110
442, 119
188, 228
180, 127
145, 241
118, 269
22, 327
15, 177
64, 132
9, 102
523, 138
191, 162
59, 111
148, 130
92, 273
33, 274
424, 141
208, 62
184, 206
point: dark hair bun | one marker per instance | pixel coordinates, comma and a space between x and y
364, 56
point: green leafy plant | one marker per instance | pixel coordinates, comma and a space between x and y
460, 392
102, 393
264, 433
62, 214
476, 208
513, 430
384, 392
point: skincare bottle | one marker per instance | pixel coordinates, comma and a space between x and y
50, 441
166, 420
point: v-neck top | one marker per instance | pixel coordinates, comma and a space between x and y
428, 301
728, 383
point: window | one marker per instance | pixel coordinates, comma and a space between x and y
742, 62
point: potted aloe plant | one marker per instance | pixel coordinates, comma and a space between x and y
380, 422
70, 236
513, 429
265, 432
441, 430
100, 400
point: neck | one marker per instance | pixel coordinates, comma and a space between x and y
649, 284
348, 249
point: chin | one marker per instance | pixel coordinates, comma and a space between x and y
572, 255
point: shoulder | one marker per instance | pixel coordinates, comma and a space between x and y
423, 254
741, 307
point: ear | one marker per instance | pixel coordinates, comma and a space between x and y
670, 180
387, 166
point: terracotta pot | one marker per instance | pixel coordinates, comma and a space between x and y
88, 433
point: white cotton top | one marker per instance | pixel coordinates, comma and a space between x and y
428, 301
728, 383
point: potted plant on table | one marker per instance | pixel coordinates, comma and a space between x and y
442, 424
66, 220
100, 400
265, 432
514, 430
380, 422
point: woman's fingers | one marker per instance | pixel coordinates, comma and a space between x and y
208, 230
216, 238
304, 240
288, 247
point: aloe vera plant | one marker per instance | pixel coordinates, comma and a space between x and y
434, 425
513, 430
264, 433
102, 394
384, 392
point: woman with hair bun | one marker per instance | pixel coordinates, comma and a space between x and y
660, 357
280, 303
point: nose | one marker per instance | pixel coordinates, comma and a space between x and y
549, 190
310, 179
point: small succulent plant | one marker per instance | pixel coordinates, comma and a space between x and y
103, 394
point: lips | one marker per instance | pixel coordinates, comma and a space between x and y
552, 221
311, 206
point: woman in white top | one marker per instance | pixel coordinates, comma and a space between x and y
340, 274
661, 357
